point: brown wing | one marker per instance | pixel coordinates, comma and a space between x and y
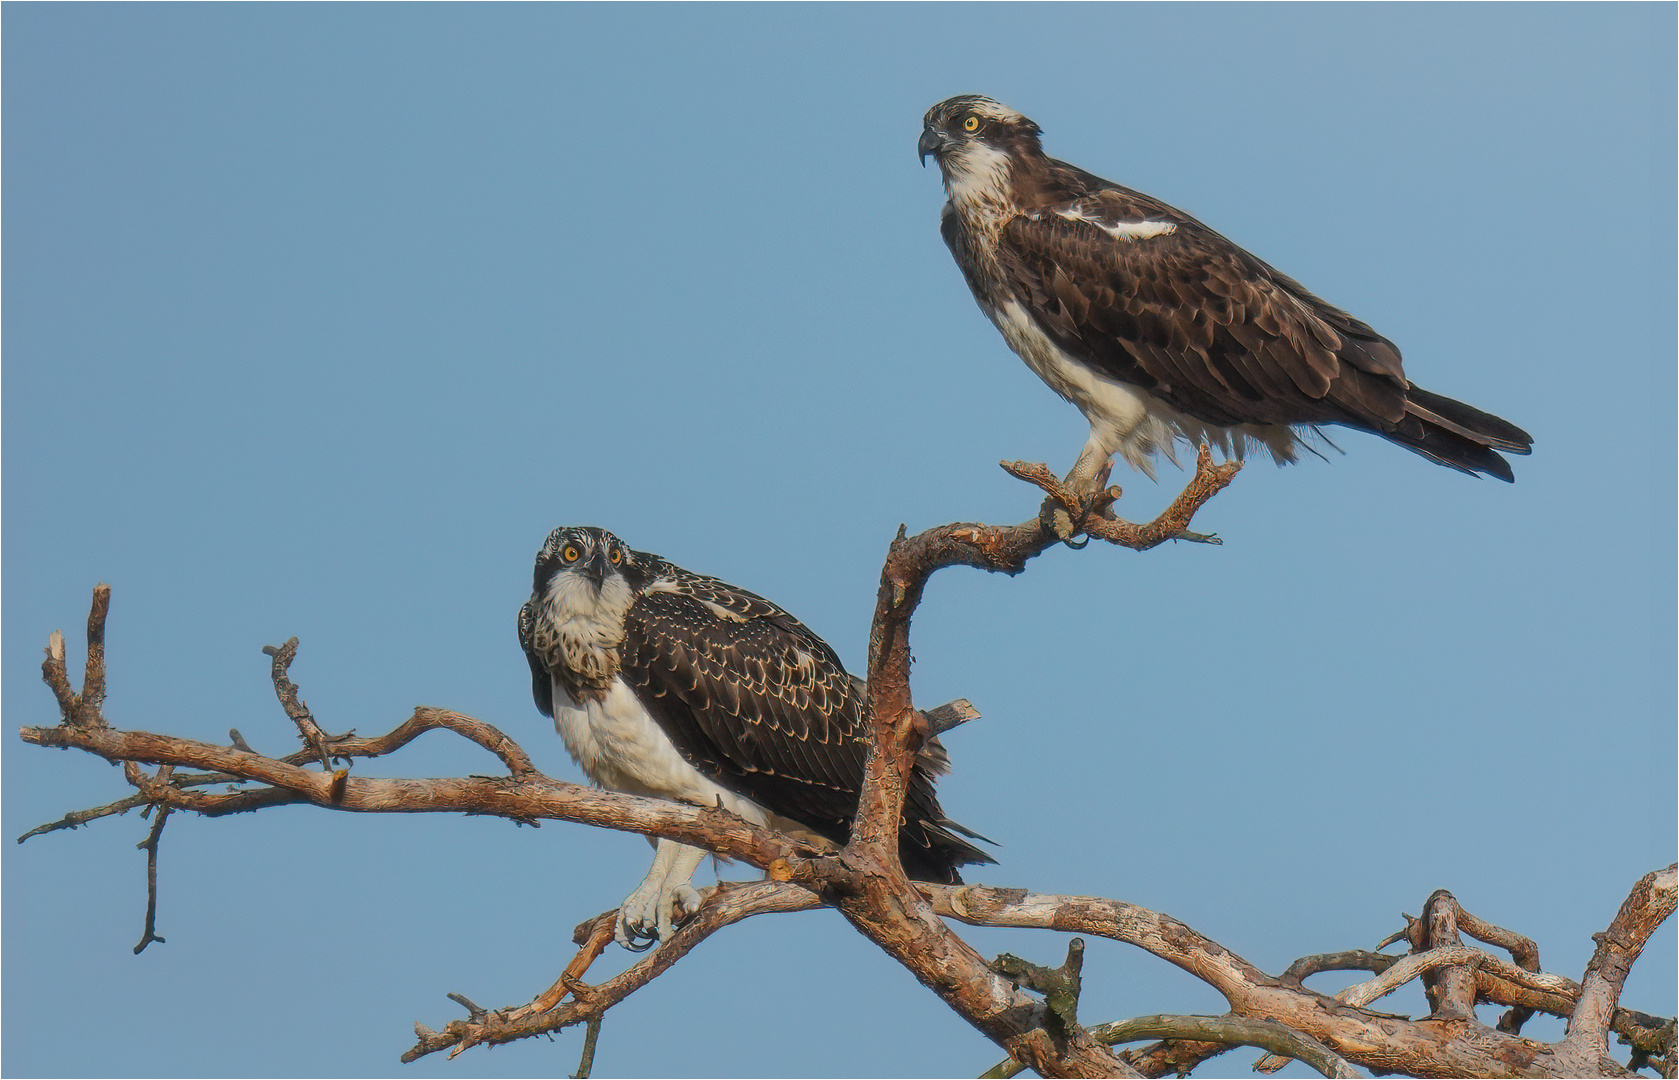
756, 701
1194, 319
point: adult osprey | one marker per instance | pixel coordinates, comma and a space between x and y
679, 686
1158, 328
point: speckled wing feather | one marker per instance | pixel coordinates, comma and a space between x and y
756, 701
542, 686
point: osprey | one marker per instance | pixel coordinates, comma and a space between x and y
678, 686
1160, 329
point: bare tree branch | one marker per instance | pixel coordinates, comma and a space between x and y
1355, 960
911, 930
1098, 521
1652, 900
149, 846
84, 708
1374, 1040
590, 1037
864, 882
313, 737
1232, 1031
724, 905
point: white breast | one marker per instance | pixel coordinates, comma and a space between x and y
621, 748
1125, 419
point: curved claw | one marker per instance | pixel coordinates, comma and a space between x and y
633, 938
645, 920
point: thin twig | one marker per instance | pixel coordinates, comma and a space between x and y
77, 818
149, 846
590, 1034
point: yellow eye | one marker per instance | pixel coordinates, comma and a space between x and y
616, 555
569, 554
971, 124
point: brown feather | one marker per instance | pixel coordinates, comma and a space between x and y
766, 709
1172, 307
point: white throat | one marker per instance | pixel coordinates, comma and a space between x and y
974, 175
581, 626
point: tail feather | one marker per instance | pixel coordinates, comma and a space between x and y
1457, 435
1468, 421
933, 852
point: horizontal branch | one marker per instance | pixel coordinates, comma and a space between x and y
530, 798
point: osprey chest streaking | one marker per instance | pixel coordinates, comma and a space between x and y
1158, 328
674, 685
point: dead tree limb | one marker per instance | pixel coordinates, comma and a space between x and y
864, 882
1097, 518
149, 846
724, 905
1222, 1032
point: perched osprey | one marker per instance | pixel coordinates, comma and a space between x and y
1160, 329
678, 686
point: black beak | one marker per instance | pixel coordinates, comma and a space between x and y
597, 567
931, 143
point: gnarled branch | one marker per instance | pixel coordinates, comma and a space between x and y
864, 882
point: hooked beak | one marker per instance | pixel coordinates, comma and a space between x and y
596, 569
932, 142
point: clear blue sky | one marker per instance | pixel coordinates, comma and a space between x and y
319, 318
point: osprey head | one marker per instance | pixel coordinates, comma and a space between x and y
592, 554
962, 128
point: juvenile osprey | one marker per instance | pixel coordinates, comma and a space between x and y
678, 686
1158, 328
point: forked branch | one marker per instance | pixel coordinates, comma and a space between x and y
912, 922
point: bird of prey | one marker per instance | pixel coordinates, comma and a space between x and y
674, 685
1160, 329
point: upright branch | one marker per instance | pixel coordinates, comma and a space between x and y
911, 561
1647, 907
309, 731
86, 708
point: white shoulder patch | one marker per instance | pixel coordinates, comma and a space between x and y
723, 613
1123, 230
669, 585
